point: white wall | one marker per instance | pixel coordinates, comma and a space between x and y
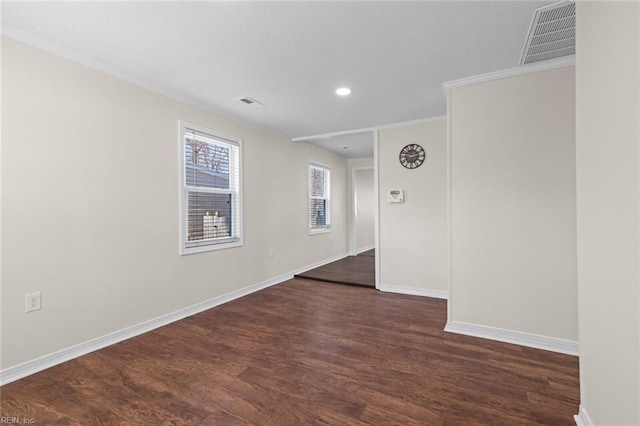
413, 239
354, 164
513, 208
608, 167
357, 163
365, 209
90, 206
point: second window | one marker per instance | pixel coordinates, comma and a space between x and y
319, 198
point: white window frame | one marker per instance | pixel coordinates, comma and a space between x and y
235, 190
326, 228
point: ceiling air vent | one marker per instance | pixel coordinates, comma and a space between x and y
552, 34
252, 102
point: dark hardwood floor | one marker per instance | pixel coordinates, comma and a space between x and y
371, 253
353, 270
301, 353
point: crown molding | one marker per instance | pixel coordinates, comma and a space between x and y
150, 85
511, 72
370, 129
412, 122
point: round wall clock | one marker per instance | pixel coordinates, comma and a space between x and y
412, 156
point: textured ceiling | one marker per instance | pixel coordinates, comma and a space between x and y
291, 56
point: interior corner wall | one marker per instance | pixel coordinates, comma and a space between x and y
513, 204
365, 209
608, 183
413, 237
90, 190
365, 238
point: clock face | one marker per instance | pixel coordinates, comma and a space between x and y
412, 156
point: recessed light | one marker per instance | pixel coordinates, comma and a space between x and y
343, 91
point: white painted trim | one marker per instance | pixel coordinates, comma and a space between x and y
582, 418
332, 134
318, 264
537, 341
319, 231
152, 86
449, 228
376, 210
237, 240
437, 294
511, 72
28, 368
369, 129
353, 231
362, 250
327, 227
412, 122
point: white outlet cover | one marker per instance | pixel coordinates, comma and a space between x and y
33, 302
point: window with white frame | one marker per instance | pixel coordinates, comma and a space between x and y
319, 198
211, 199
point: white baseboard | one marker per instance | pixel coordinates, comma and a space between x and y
28, 368
362, 250
582, 418
537, 341
438, 294
319, 264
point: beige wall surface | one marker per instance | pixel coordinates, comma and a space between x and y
413, 239
90, 206
357, 163
352, 164
365, 211
608, 171
513, 207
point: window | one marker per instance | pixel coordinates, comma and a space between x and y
211, 199
319, 199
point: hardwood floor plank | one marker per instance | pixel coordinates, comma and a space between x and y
303, 353
353, 270
370, 253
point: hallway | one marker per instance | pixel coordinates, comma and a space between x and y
352, 270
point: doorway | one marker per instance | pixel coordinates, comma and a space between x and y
363, 229
362, 266
359, 268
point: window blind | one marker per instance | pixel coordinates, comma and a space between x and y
211, 190
319, 208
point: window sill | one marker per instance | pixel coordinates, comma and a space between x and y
319, 231
210, 247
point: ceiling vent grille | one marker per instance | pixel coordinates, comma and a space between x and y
552, 34
252, 102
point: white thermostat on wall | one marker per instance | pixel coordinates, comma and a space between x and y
395, 196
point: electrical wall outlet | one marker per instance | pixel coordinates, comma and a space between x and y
272, 252
34, 302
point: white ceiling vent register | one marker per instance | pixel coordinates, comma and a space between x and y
552, 34
250, 101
